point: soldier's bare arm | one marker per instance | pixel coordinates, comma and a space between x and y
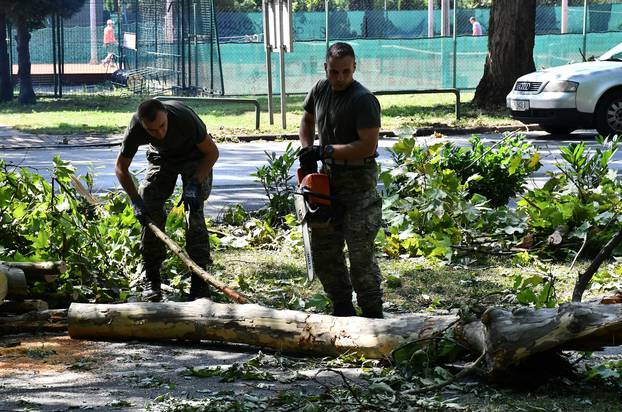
306, 133
122, 170
210, 155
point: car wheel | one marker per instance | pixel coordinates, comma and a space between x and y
557, 129
609, 115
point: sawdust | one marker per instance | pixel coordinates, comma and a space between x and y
44, 354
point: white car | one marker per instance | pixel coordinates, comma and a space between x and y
575, 96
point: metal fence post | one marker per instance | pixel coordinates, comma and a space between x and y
326, 6
585, 29
455, 40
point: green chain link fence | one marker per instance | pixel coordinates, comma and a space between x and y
400, 44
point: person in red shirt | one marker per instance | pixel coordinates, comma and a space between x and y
109, 42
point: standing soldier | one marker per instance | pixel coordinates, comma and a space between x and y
179, 144
348, 121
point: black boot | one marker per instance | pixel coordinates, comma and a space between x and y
199, 288
343, 309
372, 311
153, 287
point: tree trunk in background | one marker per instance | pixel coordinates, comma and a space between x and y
6, 86
26, 92
511, 37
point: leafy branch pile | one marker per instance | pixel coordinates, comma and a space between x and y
43, 220
443, 201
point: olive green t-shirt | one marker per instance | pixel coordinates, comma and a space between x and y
339, 114
185, 131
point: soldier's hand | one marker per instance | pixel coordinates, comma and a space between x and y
140, 210
190, 195
308, 157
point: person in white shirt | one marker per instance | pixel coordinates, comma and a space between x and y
477, 28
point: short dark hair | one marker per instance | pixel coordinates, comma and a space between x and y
339, 50
148, 110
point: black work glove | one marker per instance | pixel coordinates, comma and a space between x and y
140, 210
190, 196
308, 157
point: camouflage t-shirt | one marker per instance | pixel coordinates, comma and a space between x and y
185, 131
339, 114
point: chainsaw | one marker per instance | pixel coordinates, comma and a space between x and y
313, 209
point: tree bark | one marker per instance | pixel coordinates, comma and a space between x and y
511, 37
510, 337
39, 271
6, 84
26, 92
17, 288
282, 330
506, 337
54, 320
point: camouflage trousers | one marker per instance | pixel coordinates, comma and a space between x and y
156, 188
360, 208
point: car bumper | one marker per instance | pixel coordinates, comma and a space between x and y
547, 108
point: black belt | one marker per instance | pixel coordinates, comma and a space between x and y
361, 162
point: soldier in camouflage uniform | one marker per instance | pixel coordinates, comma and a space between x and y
179, 144
348, 121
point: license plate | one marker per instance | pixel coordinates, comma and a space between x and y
519, 105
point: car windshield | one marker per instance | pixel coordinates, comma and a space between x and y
614, 54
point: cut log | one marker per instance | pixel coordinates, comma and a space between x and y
54, 320
4, 287
18, 307
282, 330
507, 338
39, 271
17, 288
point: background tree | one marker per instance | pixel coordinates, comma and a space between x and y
6, 86
511, 37
28, 16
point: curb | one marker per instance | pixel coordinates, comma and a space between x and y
449, 131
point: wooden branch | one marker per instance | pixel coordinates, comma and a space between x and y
39, 271
281, 330
585, 277
48, 320
174, 247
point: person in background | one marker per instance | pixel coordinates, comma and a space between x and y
477, 28
109, 42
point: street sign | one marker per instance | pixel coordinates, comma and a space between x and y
279, 30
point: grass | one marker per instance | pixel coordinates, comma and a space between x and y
109, 114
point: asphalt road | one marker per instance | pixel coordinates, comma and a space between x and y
233, 182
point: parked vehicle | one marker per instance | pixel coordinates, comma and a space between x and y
574, 96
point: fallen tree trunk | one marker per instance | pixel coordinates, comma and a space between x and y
282, 330
54, 320
508, 338
39, 271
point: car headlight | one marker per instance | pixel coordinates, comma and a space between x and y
561, 86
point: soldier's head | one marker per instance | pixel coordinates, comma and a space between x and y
340, 65
154, 118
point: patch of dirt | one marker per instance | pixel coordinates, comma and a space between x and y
44, 354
